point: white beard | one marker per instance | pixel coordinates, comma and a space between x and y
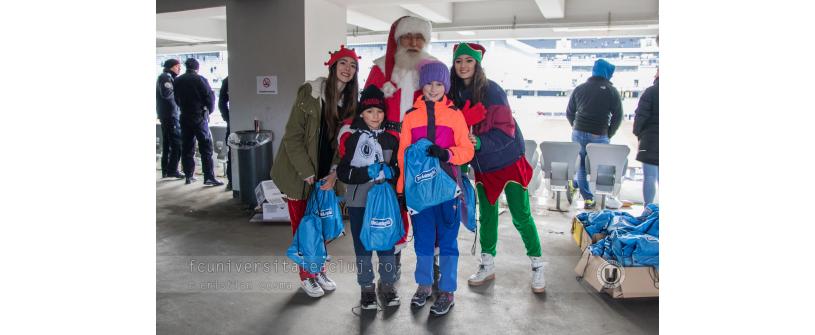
405, 75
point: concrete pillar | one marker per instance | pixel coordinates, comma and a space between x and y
285, 38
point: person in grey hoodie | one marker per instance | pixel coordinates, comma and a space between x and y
366, 144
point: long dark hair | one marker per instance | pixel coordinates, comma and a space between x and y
478, 85
349, 96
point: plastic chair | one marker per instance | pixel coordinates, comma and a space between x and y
559, 164
532, 156
219, 146
607, 164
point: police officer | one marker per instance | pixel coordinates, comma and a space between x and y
223, 106
196, 100
167, 112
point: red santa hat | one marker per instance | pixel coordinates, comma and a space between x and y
402, 26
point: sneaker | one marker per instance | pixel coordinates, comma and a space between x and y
486, 271
389, 295
538, 280
588, 204
312, 288
213, 182
570, 191
421, 295
325, 282
229, 186
190, 180
367, 298
176, 175
613, 203
443, 303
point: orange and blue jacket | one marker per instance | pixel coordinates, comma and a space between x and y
451, 133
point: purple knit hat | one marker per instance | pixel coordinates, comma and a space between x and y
434, 70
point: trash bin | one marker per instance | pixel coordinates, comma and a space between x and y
254, 149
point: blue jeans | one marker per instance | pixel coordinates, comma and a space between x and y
585, 138
437, 225
365, 272
649, 182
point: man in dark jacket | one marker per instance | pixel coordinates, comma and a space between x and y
646, 128
195, 98
595, 112
167, 113
223, 106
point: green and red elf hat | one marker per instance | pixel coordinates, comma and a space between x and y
342, 52
474, 50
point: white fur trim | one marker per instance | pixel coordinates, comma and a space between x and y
317, 87
412, 24
388, 89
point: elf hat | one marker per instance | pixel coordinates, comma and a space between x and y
474, 50
342, 52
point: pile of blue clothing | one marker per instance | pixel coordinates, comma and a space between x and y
631, 241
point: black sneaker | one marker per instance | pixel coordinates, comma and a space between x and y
190, 180
421, 296
389, 295
176, 175
367, 298
213, 182
443, 303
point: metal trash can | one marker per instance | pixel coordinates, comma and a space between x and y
254, 149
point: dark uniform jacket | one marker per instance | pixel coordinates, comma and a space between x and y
165, 100
194, 96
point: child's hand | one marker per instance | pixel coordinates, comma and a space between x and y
437, 151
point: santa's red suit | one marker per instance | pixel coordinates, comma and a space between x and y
399, 81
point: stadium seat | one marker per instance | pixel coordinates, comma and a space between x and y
606, 164
559, 164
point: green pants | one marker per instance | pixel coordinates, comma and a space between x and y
518, 200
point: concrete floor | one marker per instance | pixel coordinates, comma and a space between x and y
198, 228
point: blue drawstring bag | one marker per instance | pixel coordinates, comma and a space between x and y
326, 207
382, 222
468, 204
426, 183
307, 247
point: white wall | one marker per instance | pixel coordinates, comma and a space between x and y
324, 26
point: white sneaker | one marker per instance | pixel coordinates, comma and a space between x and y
538, 280
613, 203
312, 288
325, 282
486, 271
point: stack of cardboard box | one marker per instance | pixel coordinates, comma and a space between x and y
609, 277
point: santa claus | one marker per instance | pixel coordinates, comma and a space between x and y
396, 73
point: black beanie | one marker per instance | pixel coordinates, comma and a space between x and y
170, 63
191, 64
371, 97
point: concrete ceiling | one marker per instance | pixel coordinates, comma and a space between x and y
188, 25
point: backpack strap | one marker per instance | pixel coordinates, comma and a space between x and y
431, 121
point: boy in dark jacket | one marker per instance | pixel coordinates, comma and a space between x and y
366, 145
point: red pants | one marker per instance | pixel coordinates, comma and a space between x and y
297, 208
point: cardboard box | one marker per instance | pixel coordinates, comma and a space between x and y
581, 237
275, 211
618, 282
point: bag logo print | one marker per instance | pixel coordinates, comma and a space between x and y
425, 175
381, 223
326, 213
